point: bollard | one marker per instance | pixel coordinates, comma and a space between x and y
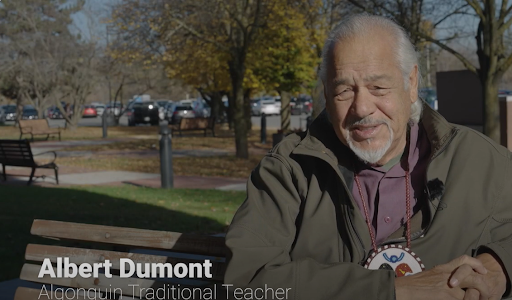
263, 128
104, 123
166, 172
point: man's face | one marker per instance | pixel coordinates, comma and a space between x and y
367, 101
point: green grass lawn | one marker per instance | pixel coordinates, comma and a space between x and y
180, 210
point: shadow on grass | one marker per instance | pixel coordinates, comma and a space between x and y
19, 206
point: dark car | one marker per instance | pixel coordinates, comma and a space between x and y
144, 112
29, 113
182, 111
54, 113
8, 113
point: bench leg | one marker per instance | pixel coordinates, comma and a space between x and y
3, 172
59, 137
21, 134
47, 136
57, 174
31, 176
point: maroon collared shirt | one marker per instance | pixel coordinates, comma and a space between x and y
385, 192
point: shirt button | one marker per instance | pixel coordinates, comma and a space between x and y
387, 219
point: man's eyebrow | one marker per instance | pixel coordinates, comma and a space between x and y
339, 81
372, 78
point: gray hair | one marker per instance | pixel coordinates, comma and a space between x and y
361, 24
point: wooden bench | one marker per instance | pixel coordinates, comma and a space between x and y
37, 127
18, 153
128, 243
188, 124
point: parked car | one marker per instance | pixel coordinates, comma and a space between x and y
100, 108
268, 105
8, 113
161, 108
114, 108
54, 113
89, 112
169, 110
301, 105
29, 113
182, 112
144, 112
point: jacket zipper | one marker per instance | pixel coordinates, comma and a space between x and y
418, 234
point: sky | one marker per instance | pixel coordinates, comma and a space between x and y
89, 22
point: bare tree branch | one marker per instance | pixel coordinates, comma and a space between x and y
476, 7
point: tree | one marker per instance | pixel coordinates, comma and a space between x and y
284, 57
34, 32
231, 26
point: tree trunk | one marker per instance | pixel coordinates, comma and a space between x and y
237, 72
247, 109
216, 102
231, 111
285, 111
491, 108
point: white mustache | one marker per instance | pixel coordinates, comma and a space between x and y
367, 121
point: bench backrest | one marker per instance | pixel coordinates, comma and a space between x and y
136, 244
193, 123
16, 153
34, 125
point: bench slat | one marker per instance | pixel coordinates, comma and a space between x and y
197, 244
30, 272
78, 256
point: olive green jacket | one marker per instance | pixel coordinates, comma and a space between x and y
300, 228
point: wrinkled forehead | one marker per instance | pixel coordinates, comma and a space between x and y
376, 47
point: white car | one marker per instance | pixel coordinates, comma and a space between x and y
100, 108
268, 105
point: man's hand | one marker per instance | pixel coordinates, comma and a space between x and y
495, 279
438, 282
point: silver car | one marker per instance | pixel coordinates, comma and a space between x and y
100, 108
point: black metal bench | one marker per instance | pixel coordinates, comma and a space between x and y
17, 153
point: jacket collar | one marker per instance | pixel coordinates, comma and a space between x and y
321, 140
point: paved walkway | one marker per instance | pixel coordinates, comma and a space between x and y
69, 176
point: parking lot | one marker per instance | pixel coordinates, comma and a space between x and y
273, 122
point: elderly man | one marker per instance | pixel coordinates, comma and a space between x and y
382, 198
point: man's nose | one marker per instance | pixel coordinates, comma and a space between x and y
363, 104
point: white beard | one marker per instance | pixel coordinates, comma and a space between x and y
370, 156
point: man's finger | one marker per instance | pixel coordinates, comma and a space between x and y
476, 281
476, 264
460, 274
472, 294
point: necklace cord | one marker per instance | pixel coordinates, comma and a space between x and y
407, 207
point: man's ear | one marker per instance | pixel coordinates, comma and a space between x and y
413, 84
